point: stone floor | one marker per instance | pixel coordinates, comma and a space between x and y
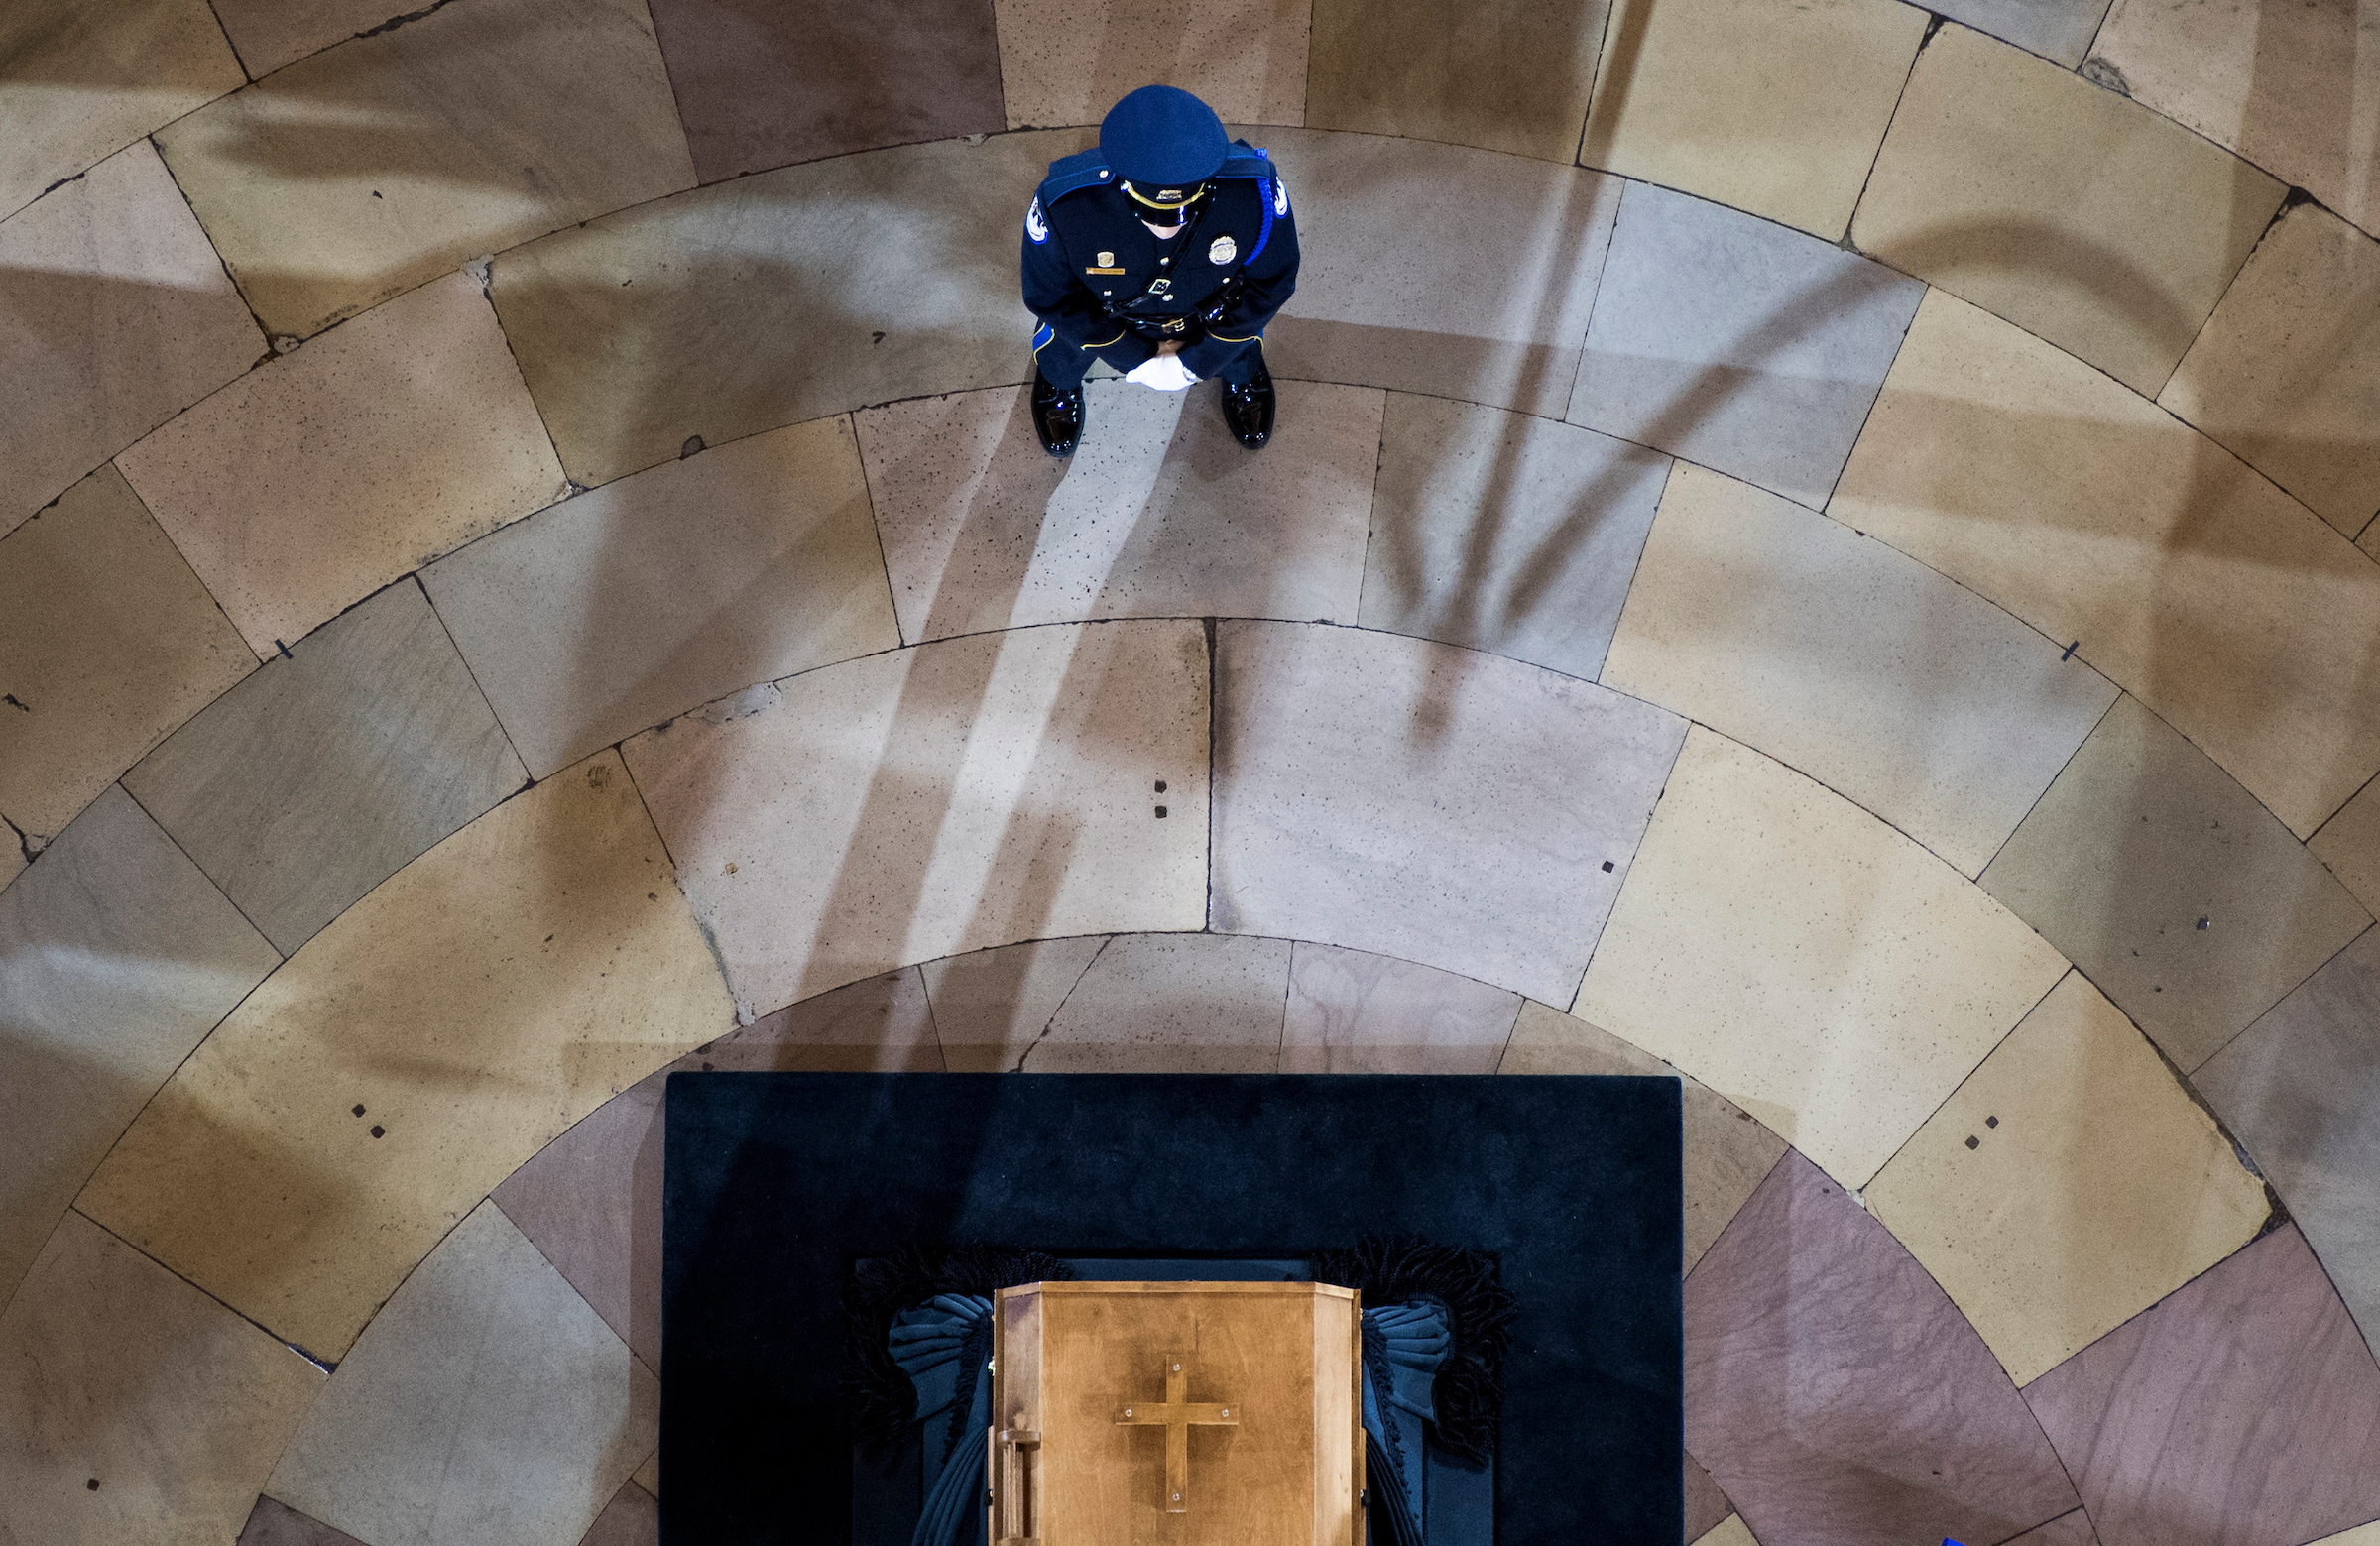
1820, 551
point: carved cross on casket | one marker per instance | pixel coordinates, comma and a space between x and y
1178, 1415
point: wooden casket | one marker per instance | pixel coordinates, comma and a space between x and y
1176, 1414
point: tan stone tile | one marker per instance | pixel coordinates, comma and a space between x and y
2287, 372
112, 1370
2292, 87
2154, 872
1352, 1013
1775, 110
107, 642
739, 307
1727, 1152
1806, 960
116, 957
1159, 514
485, 998
269, 34
12, 858
1170, 1004
80, 82
1731, 1531
1857, 665
309, 484
878, 1024
609, 611
329, 771
1065, 63
2349, 843
379, 164
1396, 236
2055, 202
2190, 582
992, 1005
115, 315
648, 1474
2361, 1535
485, 1405
2070, 1183
1512, 75
940, 799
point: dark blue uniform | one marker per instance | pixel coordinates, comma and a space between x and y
1107, 289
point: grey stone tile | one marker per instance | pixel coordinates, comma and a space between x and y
1707, 1508
485, 1405
1505, 532
1738, 344
608, 613
1159, 514
1420, 801
2136, 844
1511, 76
2301, 1090
323, 773
1356, 1013
989, 1007
108, 642
116, 957
133, 1408
1397, 236
1855, 663
778, 297
2058, 30
1064, 61
1170, 1004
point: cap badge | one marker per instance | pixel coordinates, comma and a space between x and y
1224, 250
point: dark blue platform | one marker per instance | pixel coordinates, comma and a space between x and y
776, 1182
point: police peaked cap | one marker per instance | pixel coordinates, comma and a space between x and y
1162, 136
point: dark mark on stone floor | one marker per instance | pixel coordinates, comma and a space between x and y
693, 444
1974, 1142
359, 1111
1992, 1121
2069, 649
14, 702
284, 649
1607, 867
2206, 922
379, 1132
1160, 813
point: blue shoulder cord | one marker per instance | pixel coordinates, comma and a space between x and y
1264, 189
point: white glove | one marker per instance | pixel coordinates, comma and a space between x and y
1166, 372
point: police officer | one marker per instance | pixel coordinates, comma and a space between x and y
1164, 252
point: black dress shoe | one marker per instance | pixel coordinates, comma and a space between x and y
1057, 417
1248, 409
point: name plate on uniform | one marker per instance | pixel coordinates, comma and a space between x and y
1176, 1414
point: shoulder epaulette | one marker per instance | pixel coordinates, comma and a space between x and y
1245, 161
1073, 174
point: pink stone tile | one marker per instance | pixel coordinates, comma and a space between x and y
591, 1200
1350, 1013
2244, 1410
1707, 1508
631, 1518
2066, 1530
1838, 1396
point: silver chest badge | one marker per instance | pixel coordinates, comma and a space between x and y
1222, 250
